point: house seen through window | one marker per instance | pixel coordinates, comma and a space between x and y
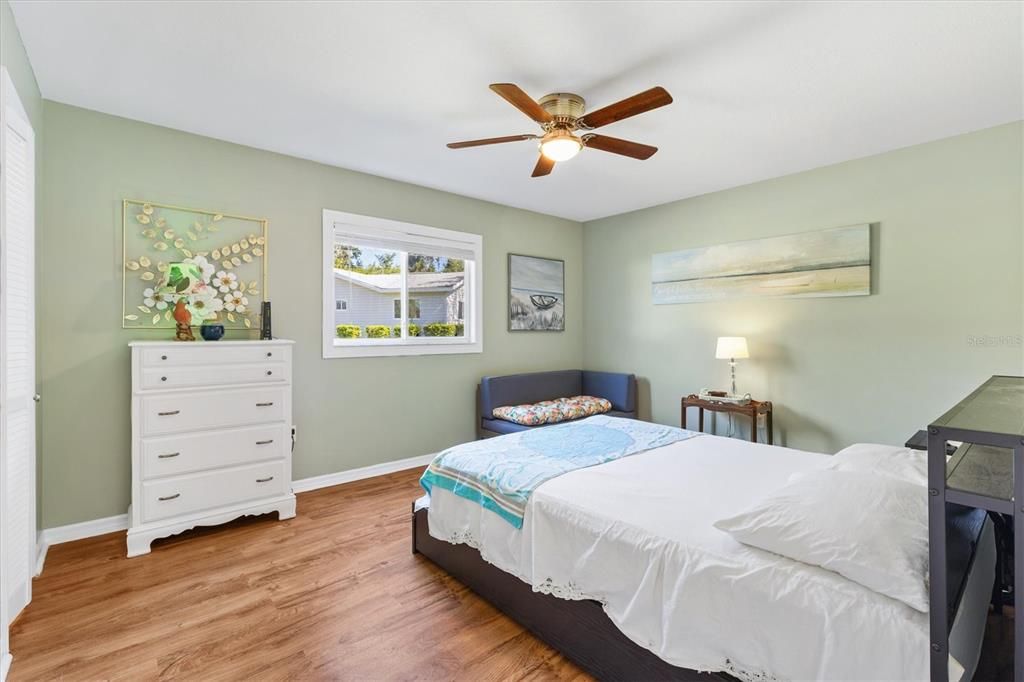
414, 309
402, 289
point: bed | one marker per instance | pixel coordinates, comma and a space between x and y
618, 566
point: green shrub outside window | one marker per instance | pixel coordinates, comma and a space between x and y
440, 329
414, 330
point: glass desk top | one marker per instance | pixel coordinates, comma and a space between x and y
997, 406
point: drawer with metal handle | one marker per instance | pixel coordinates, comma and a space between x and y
185, 453
220, 355
199, 376
178, 495
162, 414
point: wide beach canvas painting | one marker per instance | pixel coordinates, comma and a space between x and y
536, 294
833, 262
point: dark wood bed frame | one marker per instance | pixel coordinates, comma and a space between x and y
582, 632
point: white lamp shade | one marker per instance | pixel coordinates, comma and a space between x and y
731, 347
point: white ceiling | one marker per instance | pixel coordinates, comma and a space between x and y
761, 89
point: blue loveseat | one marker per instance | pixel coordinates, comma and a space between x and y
517, 389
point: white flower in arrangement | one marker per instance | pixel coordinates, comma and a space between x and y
225, 281
155, 298
204, 266
235, 302
204, 304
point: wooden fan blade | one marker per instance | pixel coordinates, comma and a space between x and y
521, 101
631, 106
617, 146
490, 140
543, 167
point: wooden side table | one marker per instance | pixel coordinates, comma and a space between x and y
751, 409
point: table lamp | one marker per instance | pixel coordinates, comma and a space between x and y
729, 348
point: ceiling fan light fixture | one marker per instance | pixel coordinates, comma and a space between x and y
560, 114
560, 145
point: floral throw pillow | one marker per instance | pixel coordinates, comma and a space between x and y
553, 411
581, 406
535, 414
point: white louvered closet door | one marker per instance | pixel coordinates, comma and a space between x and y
17, 358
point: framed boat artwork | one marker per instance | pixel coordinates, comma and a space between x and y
536, 294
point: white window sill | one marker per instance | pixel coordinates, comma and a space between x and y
382, 348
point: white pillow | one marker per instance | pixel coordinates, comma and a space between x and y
889, 460
869, 528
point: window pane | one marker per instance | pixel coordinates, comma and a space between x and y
436, 295
366, 282
385, 274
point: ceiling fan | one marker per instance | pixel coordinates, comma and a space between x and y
560, 115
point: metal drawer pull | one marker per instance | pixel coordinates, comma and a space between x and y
269, 372
168, 455
163, 378
264, 404
270, 355
163, 357
169, 497
264, 480
169, 414
264, 442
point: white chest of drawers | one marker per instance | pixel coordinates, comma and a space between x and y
211, 435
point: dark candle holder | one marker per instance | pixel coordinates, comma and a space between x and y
265, 330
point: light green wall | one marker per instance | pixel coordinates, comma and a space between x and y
349, 413
14, 58
947, 254
947, 266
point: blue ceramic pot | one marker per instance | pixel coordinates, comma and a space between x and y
212, 332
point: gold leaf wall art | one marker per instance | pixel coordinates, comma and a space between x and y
229, 251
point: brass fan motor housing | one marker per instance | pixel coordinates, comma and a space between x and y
565, 107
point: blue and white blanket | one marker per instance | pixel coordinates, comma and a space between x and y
501, 473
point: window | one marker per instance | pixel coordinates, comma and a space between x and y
414, 309
407, 289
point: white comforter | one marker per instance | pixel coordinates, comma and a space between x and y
636, 534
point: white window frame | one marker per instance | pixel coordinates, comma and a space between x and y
372, 228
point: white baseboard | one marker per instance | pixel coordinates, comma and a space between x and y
76, 531
5, 665
110, 524
41, 548
86, 529
327, 480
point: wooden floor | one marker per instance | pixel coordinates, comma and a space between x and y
333, 594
